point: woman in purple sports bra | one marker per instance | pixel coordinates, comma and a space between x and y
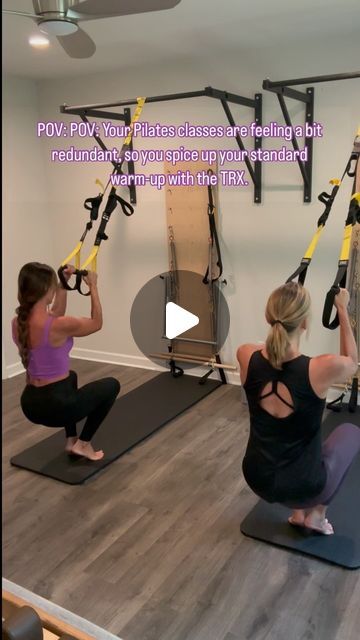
44, 336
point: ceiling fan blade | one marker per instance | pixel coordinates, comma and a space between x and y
20, 13
95, 9
78, 45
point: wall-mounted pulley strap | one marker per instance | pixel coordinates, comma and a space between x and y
213, 238
326, 199
173, 275
352, 218
93, 205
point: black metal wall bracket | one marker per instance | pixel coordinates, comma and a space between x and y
125, 117
97, 111
282, 90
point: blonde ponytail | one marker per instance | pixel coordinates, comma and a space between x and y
277, 344
286, 309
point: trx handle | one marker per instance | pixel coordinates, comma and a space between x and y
126, 207
328, 200
64, 282
79, 279
329, 304
300, 272
78, 273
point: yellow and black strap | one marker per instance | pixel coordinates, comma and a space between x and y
328, 200
93, 205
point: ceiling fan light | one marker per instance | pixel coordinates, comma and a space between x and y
39, 42
58, 27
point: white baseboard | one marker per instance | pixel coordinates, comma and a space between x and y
107, 357
141, 362
12, 370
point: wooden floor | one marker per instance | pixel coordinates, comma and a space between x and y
151, 549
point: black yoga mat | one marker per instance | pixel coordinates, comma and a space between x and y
133, 418
268, 522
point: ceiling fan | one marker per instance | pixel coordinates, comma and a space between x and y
61, 17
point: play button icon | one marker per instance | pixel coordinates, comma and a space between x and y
178, 320
178, 312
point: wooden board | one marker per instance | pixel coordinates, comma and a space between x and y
354, 272
188, 230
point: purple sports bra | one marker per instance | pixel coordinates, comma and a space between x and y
46, 361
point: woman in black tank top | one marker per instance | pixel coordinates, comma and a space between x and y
285, 460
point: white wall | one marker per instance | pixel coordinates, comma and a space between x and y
27, 223
261, 244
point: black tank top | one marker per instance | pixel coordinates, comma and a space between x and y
283, 457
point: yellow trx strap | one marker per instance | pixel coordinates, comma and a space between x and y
74, 254
92, 258
346, 244
327, 199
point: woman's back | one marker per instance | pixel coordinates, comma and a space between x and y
46, 361
283, 456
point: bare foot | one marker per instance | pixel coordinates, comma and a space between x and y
85, 449
317, 522
297, 517
69, 444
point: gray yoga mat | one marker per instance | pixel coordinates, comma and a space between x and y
268, 522
134, 417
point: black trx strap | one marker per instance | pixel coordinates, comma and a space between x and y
112, 202
214, 239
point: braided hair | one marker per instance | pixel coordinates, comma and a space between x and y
34, 281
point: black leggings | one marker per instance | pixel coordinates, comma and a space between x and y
62, 404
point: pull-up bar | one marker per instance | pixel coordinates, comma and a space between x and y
97, 111
282, 88
208, 91
268, 84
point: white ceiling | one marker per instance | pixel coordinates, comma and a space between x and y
194, 28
